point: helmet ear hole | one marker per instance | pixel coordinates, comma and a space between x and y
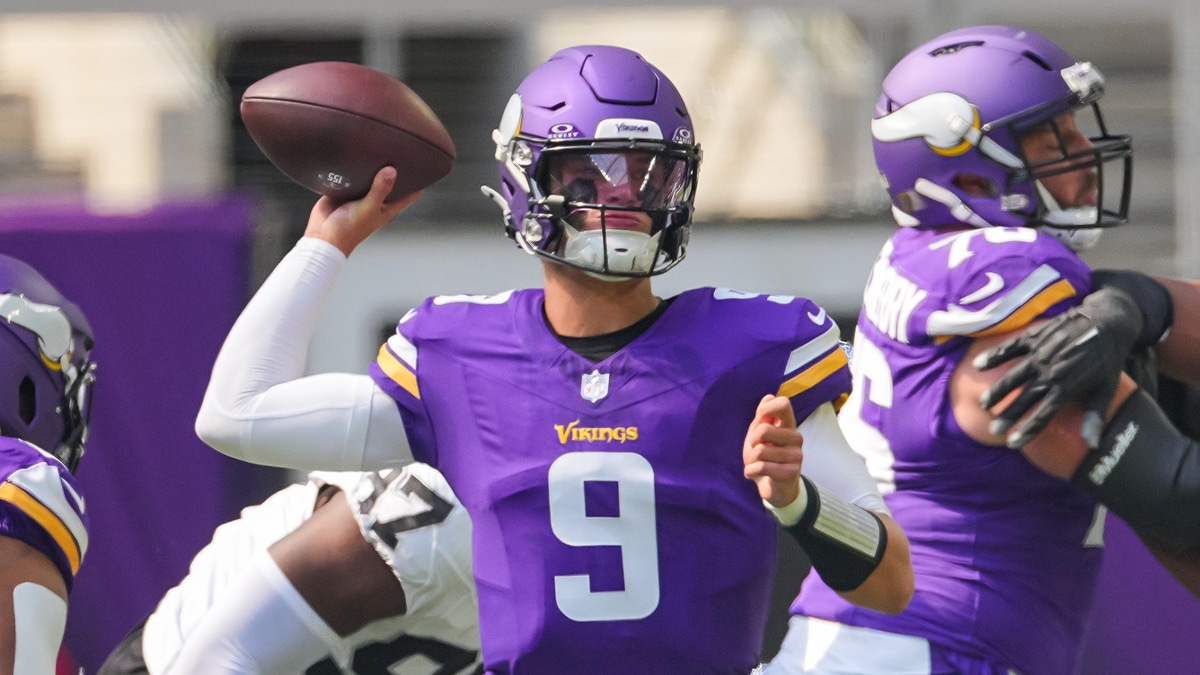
976, 186
27, 400
910, 202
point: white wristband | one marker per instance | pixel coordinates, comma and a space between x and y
792, 513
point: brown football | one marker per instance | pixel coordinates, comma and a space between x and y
332, 125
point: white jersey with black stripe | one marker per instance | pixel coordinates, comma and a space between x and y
411, 518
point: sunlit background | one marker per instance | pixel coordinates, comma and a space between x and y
118, 113
125, 109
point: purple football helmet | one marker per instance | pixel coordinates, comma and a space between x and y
959, 106
598, 164
45, 370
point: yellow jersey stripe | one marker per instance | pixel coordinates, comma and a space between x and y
1032, 309
397, 371
814, 374
46, 518
841, 401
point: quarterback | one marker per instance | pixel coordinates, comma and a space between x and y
591, 428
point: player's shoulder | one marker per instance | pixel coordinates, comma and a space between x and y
974, 282
429, 477
404, 490
463, 305
18, 456
757, 315
793, 338
414, 521
34, 483
952, 262
447, 315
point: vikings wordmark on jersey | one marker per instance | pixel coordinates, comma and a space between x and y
607, 498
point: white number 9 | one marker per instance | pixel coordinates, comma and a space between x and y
634, 530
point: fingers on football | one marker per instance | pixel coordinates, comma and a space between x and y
1033, 394
321, 210
1047, 407
1016, 377
1003, 352
385, 178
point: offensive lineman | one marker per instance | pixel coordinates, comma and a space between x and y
994, 153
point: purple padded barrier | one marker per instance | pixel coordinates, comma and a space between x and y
161, 289
1144, 621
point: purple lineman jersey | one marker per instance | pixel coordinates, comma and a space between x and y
40, 505
1006, 557
614, 531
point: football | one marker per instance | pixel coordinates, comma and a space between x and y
332, 125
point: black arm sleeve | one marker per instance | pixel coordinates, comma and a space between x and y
1151, 297
1147, 472
1180, 401
844, 542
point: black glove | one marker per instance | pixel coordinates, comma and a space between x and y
1077, 356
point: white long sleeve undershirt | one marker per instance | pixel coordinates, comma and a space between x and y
829, 461
259, 405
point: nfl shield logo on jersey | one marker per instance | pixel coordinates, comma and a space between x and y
594, 386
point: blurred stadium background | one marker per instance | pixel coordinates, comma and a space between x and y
126, 175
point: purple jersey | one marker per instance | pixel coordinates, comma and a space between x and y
1006, 557
614, 531
41, 506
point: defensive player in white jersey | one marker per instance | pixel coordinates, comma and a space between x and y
306, 582
45, 385
591, 429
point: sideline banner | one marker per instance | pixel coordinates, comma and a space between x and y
161, 289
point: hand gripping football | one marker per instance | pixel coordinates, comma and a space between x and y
331, 126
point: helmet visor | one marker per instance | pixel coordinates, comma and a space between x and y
637, 179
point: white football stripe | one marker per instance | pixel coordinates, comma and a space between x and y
43, 482
957, 321
404, 350
812, 350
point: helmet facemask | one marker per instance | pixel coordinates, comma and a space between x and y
1082, 174
996, 126
77, 414
598, 164
47, 375
615, 209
